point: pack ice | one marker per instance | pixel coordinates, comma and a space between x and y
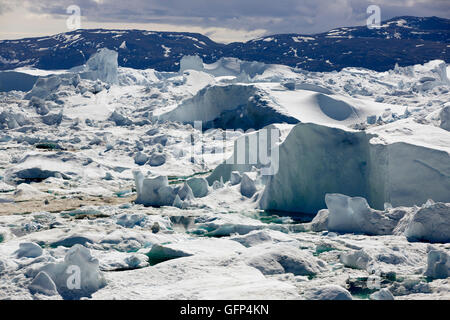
230, 180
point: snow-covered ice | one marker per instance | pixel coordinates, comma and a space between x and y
106, 171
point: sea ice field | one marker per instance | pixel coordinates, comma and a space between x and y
231, 180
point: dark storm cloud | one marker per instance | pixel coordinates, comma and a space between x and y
281, 16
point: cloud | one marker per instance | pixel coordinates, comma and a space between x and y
6, 6
237, 16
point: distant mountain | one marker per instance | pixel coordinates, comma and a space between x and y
403, 40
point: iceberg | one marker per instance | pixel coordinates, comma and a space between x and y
29, 250
13, 80
102, 66
45, 86
233, 106
43, 284
283, 258
12, 120
383, 294
430, 223
39, 105
77, 276
347, 214
438, 264
199, 187
255, 149
445, 118
403, 163
153, 191
140, 158
191, 63
185, 192
225, 66
247, 187
235, 178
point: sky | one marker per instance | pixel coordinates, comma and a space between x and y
223, 21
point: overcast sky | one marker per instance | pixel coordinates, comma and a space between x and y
223, 21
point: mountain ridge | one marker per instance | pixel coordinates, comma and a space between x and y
403, 40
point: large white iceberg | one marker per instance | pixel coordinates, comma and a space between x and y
255, 105
403, 163
102, 66
230, 106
